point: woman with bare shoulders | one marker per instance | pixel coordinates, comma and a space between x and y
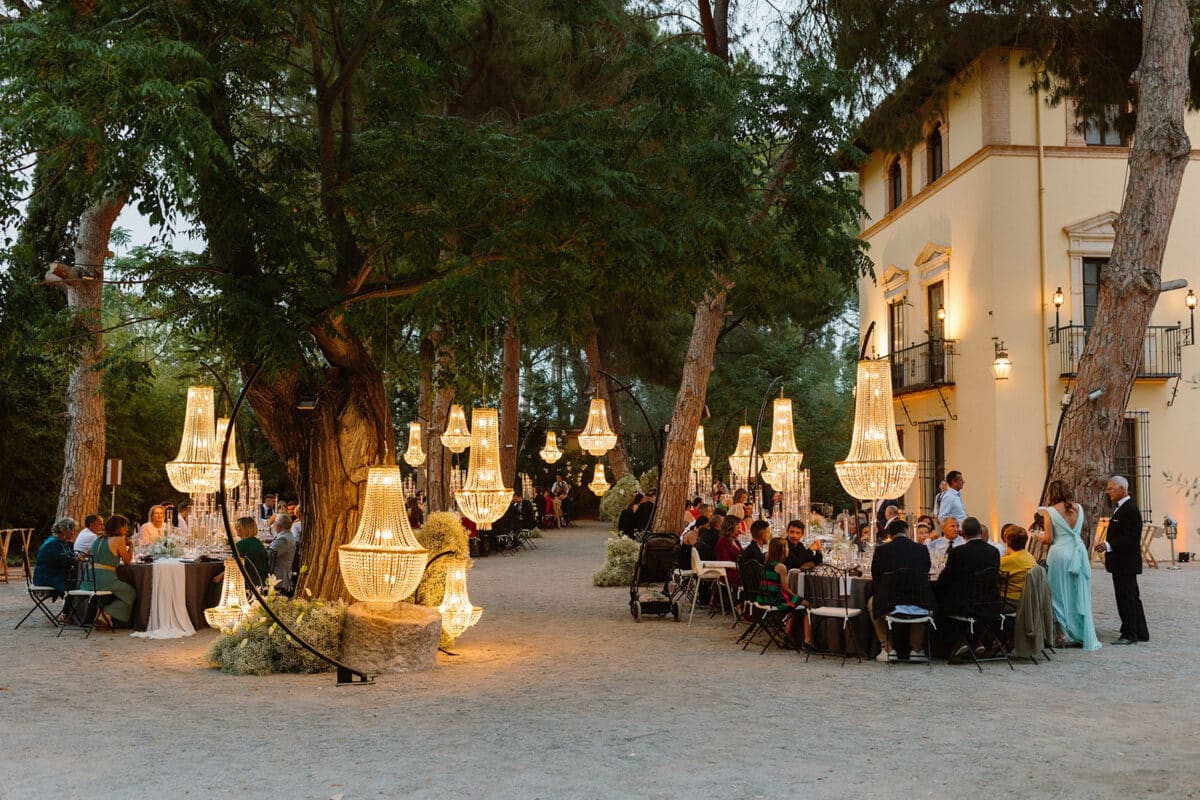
1068, 567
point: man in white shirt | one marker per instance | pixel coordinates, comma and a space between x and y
948, 539
93, 526
951, 504
282, 552
184, 523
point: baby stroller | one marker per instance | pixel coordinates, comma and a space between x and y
651, 591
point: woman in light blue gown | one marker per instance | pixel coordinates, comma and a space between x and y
1068, 567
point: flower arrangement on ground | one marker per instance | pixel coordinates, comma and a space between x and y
621, 555
617, 497
258, 646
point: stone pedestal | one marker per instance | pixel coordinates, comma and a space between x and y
398, 638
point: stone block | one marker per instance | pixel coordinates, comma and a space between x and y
391, 639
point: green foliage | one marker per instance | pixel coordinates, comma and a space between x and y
617, 498
441, 532
260, 647
620, 557
649, 480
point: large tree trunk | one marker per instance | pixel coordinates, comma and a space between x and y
83, 464
618, 457
439, 458
510, 397
1129, 283
425, 403
675, 482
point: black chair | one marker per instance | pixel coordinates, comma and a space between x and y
762, 618
985, 616
908, 587
87, 605
823, 587
40, 595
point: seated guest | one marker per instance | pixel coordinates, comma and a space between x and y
184, 519
760, 535
282, 552
643, 519
703, 512
297, 527
627, 521
719, 503
56, 557
251, 549
773, 591
998, 544
93, 526
891, 517
949, 538
799, 556
416, 515
898, 553
922, 532
1016, 562
953, 589
706, 540
154, 530
728, 549
108, 552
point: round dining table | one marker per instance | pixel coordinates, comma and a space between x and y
198, 580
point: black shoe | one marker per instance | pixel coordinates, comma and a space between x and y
1123, 640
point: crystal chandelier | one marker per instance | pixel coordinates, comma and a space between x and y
783, 458
414, 456
550, 452
194, 470
233, 473
775, 479
384, 562
739, 462
457, 436
597, 437
875, 468
599, 484
234, 606
484, 497
457, 612
700, 458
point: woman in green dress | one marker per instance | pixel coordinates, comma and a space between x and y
251, 549
110, 550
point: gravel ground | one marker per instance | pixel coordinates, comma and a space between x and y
557, 693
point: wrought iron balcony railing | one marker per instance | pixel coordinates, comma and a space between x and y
1161, 353
923, 366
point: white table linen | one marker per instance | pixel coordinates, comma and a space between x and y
168, 603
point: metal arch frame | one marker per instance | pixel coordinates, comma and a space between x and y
724, 430
645, 416
757, 430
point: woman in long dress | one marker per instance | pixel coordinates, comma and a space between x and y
1068, 567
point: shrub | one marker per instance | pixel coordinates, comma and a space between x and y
257, 646
621, 555
649, 480
441, 531
617, 497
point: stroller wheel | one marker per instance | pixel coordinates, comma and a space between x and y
675, 611
637, 612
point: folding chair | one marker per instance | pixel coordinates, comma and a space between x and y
907, 587
40, 595
706, 572
762, 618
828, 589
92, 600
986, 612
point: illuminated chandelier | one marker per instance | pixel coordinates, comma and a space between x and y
233, 472
414, 456
457, 436
599, 484
234, 606
384, 562
875, 468
597, 437
457, 612
194, 470
550, 452
783, 458
700, 458
739, 462
775, 479
484, 497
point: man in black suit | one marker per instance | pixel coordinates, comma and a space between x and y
760, 536
954, 584
1123, 559
643, 518
706, 541
799, 556
891, 516
899, 553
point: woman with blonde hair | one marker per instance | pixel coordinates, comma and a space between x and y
1068, 567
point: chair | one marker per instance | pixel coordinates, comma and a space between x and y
828, 589
1150, 532
40, 595
1033, 632
985, 611
762, 617
93, 599
907, 587
708, 571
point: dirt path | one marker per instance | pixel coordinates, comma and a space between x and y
557, 693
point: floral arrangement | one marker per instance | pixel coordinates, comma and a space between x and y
441, 531
621, 554
165, 548
617, 497
258, 646
649, 480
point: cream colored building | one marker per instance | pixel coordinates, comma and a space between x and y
1000, 206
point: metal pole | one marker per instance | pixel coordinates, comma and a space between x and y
112, 506
645, 416
757, 428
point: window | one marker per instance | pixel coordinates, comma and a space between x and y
1091, 287
933, 145
1101, 129
1132, 459
935, 299
933, 460
895, 186
896, 325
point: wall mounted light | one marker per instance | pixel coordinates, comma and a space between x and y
1002, 365
1190, 336
941, 313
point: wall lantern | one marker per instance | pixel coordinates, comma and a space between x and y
1002, 366
1190, 338
941, 313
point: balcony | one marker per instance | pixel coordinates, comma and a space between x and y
1161, 354
923, 366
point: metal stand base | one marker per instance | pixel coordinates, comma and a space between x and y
349, 677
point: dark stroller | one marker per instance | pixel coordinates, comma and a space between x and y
652, 591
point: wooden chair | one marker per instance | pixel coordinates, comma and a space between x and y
6, 537
1100, 538
1150, 532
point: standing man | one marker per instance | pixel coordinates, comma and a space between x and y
1123, 559
558, 493
951, 504
267, 509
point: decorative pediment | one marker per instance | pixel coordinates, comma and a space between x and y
1092, 236
933, 261
895, 282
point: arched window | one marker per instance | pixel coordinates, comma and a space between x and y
934, 147
895, 186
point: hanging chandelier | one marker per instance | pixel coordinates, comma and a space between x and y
783, 458
739, 462
550, 452
875, 468
700, 458
384, 562
457, 612
484, 497
457, 436
599, 484
414, 456
775, 479
234, 605
194, 470
233, 472
597, 437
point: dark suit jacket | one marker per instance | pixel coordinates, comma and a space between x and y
954, 584
883, 533
752, 550
706, 544
643, 518
1125, 539
800, 555
899, 553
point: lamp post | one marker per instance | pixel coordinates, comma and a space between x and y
1190, 300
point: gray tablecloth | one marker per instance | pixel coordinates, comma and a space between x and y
198, 576
828, 632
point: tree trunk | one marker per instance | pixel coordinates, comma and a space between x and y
1129, 283
425, 404
438, 456
83, 464
675, 482
618, 457
510, 397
